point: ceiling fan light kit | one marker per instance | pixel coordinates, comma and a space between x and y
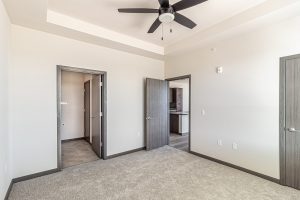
166, 18
167, 13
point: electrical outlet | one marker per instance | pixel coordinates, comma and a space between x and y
203, 112
220, 142
234, 146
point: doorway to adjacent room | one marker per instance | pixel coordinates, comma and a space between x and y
168, 113
179, 113
81, 116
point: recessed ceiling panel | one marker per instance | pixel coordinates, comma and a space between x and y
104, 13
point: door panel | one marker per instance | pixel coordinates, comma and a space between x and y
156, 113
292, 136
87, 111
96, 114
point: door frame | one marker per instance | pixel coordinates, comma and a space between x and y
282, 113
190, 104
59, 69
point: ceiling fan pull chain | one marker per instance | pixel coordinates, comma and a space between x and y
171, 30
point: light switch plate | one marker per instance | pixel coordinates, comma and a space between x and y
234, 146
219, 70
220, 142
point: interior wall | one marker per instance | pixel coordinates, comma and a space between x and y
184, 84
242, 104
72, 108
5, 31
33, 124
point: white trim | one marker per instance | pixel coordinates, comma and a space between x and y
84, 27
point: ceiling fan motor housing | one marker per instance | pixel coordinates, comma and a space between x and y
166, 15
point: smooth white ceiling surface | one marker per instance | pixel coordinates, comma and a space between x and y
98, 21
104, 14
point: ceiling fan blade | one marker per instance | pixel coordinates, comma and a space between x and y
137, 10
184, 4
184, 21
154, 26
164, 3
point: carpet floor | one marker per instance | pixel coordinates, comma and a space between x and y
165, 173
77, 152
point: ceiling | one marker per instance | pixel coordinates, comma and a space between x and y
104, 13
98, 21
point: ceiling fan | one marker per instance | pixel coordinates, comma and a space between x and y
167, 13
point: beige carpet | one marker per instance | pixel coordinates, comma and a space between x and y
166, 173
77, 152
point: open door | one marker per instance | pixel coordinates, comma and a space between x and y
87, 111
156, 113
290, 122
96, 114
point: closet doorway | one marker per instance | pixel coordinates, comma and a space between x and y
81, 109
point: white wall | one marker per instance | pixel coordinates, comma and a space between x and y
33, 95
5, 28
242, 104
72, 109
184, 84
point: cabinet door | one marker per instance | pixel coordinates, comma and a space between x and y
179, 99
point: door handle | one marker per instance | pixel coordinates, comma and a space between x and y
293, 130
148, 118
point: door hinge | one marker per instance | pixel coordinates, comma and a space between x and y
101, 84
101, 114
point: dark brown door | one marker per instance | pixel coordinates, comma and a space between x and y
292, 121
96, 114
87, 110
156, 113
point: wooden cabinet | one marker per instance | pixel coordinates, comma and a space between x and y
174, 123
176, 98
179, 122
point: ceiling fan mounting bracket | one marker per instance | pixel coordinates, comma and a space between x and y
166, 10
